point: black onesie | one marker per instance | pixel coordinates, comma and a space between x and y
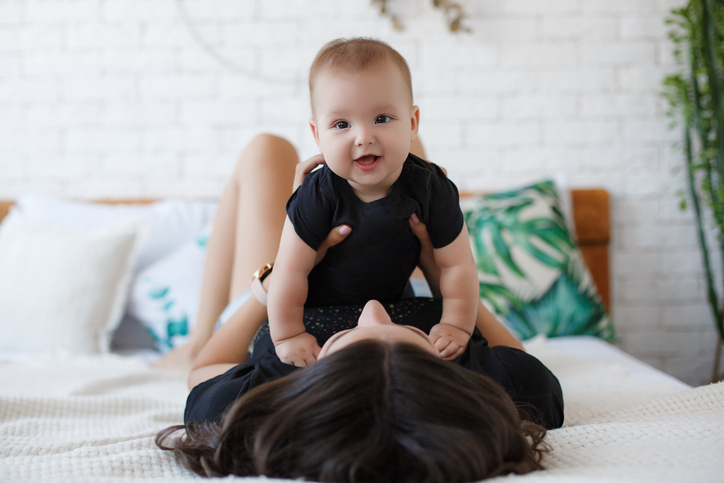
530, 384
376, 260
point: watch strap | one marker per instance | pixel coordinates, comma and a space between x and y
257, 289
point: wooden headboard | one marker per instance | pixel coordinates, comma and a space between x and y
593, 231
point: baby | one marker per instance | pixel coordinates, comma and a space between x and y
363, 122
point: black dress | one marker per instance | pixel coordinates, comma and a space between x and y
530, 384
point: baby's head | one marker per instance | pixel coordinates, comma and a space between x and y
353, 56
363, 116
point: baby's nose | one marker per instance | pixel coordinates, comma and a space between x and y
373, 313
364, 136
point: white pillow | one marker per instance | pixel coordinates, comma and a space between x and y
165, 296
170, 222
62, 290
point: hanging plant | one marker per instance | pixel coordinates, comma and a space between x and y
454, 14
695, 101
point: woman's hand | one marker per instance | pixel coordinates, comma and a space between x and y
427, 260
304, 168
338, 234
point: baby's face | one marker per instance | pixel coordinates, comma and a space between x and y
364, 123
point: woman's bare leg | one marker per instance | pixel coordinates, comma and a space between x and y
246, 233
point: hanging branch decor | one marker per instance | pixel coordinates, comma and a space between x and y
695, 102
454, 13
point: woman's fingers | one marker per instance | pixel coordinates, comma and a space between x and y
427, 257
306, 167
419, 229
336, 236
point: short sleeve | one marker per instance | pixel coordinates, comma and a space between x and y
310, 210
532, 386
208, 401
445, 216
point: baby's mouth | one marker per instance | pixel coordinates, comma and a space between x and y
367, 163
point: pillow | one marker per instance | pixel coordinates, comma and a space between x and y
165, 296
63, 289
532, 275
171, 223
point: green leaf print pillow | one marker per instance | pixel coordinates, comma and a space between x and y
532, 275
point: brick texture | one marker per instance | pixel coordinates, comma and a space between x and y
119, 99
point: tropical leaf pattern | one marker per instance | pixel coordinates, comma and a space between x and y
531, 273
177, 320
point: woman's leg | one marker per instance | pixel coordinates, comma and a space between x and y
246, 233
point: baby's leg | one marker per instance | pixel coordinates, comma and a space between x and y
246, 233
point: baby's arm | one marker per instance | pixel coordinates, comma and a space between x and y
287, 294
459, 289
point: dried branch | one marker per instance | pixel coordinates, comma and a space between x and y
454, 14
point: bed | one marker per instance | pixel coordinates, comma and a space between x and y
70, 417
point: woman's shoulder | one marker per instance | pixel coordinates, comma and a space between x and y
208, 400
533, 387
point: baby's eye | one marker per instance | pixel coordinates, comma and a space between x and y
341, 125
382, 119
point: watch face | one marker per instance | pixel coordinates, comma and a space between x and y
264, 271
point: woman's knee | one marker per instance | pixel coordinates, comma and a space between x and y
271, 141
268, 149
266, 156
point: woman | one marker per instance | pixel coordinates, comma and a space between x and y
379, 405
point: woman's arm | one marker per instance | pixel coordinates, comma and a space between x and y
228, 346
495, 332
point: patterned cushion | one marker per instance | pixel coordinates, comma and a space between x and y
165, 295
532, 275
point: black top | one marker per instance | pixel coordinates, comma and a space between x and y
533, 388
375, 261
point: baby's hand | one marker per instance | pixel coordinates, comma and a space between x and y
301, 350
449, 340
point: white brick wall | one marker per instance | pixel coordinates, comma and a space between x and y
116, 98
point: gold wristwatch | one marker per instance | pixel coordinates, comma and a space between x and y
256, 287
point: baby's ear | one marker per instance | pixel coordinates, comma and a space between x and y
414, 121
315, 132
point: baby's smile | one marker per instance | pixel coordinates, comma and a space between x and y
367, 162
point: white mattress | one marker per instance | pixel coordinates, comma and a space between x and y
94, 419
597, 350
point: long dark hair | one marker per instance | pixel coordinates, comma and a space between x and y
371, 412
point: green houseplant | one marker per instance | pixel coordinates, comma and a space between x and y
696, 104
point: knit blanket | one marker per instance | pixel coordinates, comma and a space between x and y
95, 419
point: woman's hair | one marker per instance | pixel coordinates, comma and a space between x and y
371, 412
355, 55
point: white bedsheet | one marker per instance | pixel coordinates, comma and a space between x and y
94, 419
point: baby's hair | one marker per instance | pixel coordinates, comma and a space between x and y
355, 55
